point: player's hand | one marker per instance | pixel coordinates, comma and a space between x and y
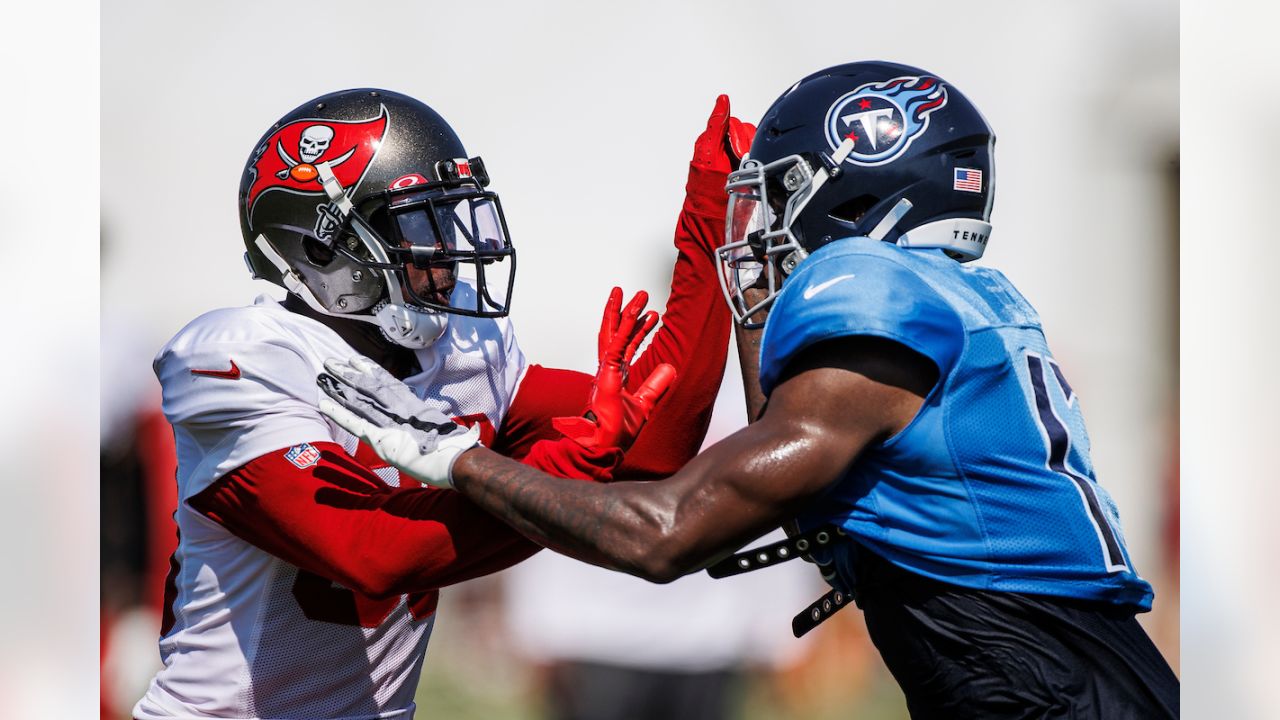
370, 403
726, 140
615, 416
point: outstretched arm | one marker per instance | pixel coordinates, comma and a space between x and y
339, 520
325, 517
839, 397
693, 336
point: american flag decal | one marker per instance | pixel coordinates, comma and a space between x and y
967, 180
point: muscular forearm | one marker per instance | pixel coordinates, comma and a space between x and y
623, 526
725, 497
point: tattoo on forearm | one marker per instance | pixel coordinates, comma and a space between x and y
573, 517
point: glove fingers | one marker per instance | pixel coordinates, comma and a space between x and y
373, 374
352, 400
361, 363
371, 380
642, 330
351, 376
739, 137
462, 437
633, 308
340, 369
719, 114
345, 418
617, 352
335, 385
609, 323
708, 149
369, 367
371, 411
656, 385
627, 320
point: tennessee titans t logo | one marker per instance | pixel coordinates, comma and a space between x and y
884, 118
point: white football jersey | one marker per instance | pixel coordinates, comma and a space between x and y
241, 645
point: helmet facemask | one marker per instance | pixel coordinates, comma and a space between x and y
762, 246
867, 149
452, 224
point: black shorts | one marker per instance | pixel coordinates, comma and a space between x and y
963, 653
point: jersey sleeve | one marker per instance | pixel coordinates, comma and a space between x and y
544, 393
334, 517
234, 400
693, 337
851, 294
337, 519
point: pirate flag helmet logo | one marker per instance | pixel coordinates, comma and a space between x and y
364, 204
287, 159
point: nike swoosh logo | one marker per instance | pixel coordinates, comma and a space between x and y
232, 374
814, 290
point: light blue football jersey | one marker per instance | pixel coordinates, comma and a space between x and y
991, 486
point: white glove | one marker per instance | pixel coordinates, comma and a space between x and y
370, 403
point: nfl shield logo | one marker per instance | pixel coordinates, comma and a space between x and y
303, 456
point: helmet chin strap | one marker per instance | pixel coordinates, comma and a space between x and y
293, 282
890, 220
405, 326
410, 328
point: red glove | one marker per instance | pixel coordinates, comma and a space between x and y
721, 146
716, 153
614, 416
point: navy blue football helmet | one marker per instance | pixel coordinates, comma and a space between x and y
874, 149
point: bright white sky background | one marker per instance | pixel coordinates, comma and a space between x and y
585, 114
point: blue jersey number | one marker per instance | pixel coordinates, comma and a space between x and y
1059, 442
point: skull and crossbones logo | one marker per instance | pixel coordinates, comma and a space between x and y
313, 143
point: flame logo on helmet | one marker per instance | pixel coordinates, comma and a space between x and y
884, 118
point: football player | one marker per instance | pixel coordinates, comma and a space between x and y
306, 575
912, 426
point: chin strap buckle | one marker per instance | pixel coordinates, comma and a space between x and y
890, 220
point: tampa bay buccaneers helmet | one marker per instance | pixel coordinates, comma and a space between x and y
874, 149
347, 194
